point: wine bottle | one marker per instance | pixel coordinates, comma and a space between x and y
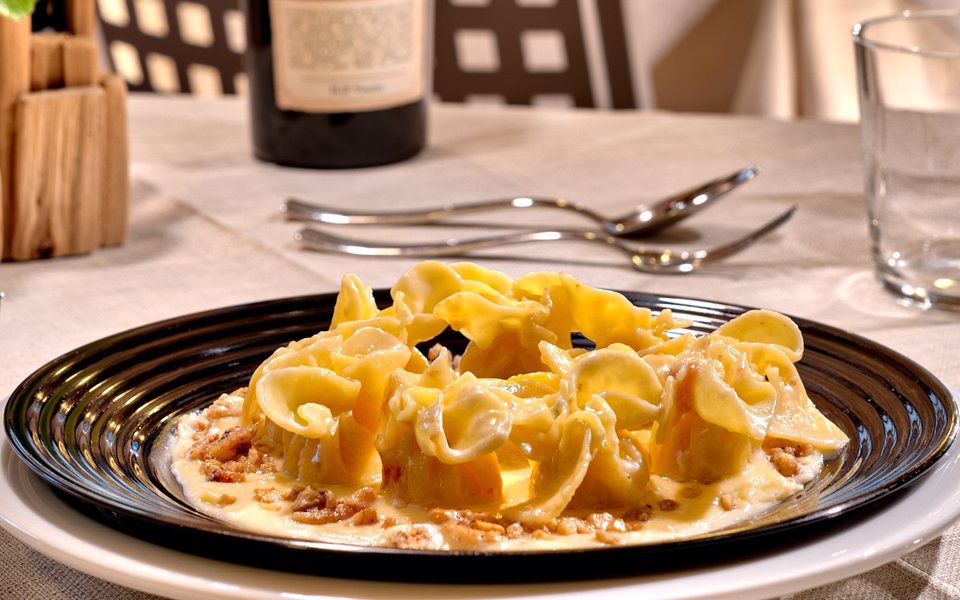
338, 83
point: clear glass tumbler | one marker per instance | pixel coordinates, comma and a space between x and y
908, 71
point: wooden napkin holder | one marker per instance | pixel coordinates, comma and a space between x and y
64, 163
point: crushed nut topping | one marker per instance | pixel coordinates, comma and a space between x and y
727, 502
311, 505
784, 456
668, 504
476, 528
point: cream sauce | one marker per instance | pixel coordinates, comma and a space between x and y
697, 508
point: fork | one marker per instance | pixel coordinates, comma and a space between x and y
643, 259
642, 220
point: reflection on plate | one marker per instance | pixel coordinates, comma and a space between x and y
88, 423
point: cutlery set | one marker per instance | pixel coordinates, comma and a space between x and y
616, 232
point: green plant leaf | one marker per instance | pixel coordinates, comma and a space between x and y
17, 9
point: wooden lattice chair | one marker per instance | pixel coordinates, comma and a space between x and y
176, 46
549, 52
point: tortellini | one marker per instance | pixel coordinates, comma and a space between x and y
572, 389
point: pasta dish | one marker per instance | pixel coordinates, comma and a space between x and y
571, 418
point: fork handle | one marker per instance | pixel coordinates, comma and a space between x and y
308, 211
321, 240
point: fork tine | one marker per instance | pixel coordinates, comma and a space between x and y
741, 243
685, 261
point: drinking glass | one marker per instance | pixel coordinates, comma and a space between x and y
908, 75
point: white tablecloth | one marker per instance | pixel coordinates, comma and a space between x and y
206, 232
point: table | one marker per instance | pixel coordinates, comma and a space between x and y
206, 232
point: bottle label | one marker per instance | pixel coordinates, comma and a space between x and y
347, 55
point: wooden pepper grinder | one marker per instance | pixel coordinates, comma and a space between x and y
64, 146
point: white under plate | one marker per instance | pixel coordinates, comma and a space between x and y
32, 513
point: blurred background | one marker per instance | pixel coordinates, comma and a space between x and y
784, 59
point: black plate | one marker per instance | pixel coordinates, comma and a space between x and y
89, 421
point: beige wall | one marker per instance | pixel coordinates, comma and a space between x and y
780, 58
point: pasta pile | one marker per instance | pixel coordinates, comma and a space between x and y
361, 405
